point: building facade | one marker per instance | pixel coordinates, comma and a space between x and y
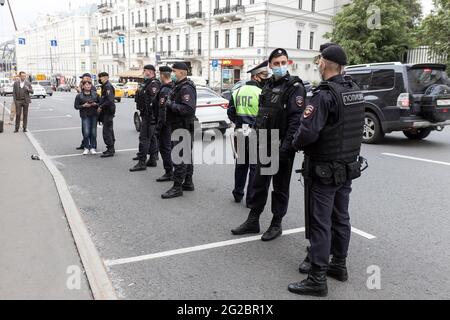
219, 39
60, 47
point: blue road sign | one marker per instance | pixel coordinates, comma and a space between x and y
121, 39
21, 40
53, 43
215, 63
87, 42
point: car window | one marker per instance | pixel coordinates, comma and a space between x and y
44, 83
423, 78
203, 94
362, 79
382, 79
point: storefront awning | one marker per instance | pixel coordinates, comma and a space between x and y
132, 74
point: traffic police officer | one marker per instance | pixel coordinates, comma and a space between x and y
280, 108
107, 110
181, 105
330, 134
242, 110
163, 128
144, 103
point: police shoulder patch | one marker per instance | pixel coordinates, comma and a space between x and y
309, 110
187, 97
154, 89
299, 101
161, 101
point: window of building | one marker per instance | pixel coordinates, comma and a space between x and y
153, 44
103, 48
313, 6
187, 41
153, 14
83, 48
139, 46
239, 2
251, 37
178, 42
160, 12
199, 42
169, 13
299, 39
200, 5
227, 3
216, 39
300, 4
227, 38
81, 31
217, 4
94, 66
238, 37
132, 18
133, 47
103, 24
311, 41
107, 49
116, 20
146, 16
139, 16
146, 46
252, 1
123, 20
161, 44
187, 6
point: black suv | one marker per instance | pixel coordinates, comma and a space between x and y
413, 98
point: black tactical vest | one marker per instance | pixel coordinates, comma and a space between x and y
341, 141
272, 113
143, 100
176, 119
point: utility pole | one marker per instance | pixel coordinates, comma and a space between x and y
209, 42
12, 15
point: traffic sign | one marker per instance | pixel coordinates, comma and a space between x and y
121, 39
215, 63
21, 40
53, 43
87, 42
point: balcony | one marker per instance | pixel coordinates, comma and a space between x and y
165, 24
191, 53
105, 8
105, 33
196, 19
119, 58
119, 30
142, 27
142, 2
228, 14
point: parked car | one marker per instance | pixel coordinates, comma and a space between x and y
412, 98
211, 111
118, 92
47, 86
130, 89
4, 81
38, 91
64, 88
6, 89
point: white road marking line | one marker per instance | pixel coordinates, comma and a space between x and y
57, 129
115, 262
80, 154
40, 110
417, 159
52, 117
58, 99
99, 281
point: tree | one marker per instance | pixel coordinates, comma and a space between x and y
435, 30
376, 30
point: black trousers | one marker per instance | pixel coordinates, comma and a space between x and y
146, 135
240, 175
181, 170
280, 181
153, 150
165, 147
330, 228
108, 131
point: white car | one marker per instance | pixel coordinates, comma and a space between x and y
211, 110
6, 89
38, 91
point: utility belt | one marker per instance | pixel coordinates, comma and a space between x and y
335, 172
183, 123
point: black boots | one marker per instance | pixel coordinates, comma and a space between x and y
305, 266
314, 285
140, 166
274, 230
174, 192
152, 163
168, 176
108, 153
338, 269
188, 185
251, 225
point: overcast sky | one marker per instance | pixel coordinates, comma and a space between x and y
26, 11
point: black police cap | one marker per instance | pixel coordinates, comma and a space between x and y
278, 53
86, 75
165, 69
180, 66
335, 53
326, 45
149, 67
103, 74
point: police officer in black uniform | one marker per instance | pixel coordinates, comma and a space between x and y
149, 114
244, 113
330, 134
107, 110
163, 128
180, 106
281, 106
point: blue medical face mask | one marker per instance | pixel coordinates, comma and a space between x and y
173, 78
279, 72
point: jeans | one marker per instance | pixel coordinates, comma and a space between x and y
89, 126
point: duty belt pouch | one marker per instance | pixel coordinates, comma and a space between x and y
339, 173
354, 170
324, 172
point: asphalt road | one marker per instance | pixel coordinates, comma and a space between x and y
402, 202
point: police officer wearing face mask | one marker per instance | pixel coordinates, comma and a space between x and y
330, 134
242, 110
163, 128
144, 103
180, 105
280, 108
107, 111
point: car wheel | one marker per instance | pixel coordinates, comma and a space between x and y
373, 132
118, 100
417, 134
137, 122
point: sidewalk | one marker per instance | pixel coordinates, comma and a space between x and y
36, 245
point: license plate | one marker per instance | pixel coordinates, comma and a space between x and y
210, 125
443, 102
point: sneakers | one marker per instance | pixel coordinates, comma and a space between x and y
93, 151
85, 152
